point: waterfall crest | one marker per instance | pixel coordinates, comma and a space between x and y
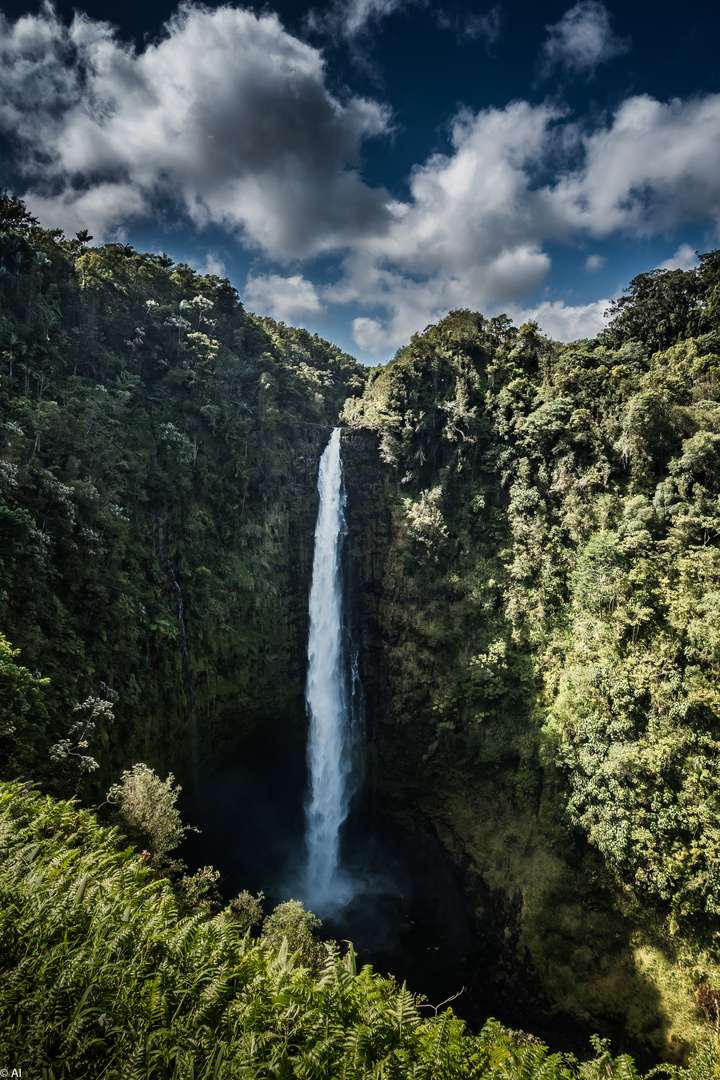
329, 693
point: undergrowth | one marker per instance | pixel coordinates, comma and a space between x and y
103, 978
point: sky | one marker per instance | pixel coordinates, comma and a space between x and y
362, 167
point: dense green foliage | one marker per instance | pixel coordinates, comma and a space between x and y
567, 499
549, 614
102, 977
666, 306
552, 608
154, 439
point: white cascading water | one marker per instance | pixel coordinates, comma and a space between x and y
331, 723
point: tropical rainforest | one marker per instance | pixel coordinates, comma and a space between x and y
537, 572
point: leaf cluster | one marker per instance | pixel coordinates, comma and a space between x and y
102, 976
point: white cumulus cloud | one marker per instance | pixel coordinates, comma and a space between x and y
473, 232
582, 40
287, 299
212, 265
564, 322
655, 166
685, 258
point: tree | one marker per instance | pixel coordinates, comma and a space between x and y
93, 713
660, 308
14, 214
292, 923
23, 712
147, 811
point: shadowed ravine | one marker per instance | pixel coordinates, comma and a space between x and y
410, 917
292, 820
408, 914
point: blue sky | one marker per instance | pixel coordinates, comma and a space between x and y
360, 167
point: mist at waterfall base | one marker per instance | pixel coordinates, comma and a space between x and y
405, 911
410, 916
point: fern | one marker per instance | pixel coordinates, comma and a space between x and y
104, 979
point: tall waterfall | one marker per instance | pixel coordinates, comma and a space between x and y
330, 692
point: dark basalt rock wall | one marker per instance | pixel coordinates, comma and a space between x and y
258, 680
369, 536
235, 694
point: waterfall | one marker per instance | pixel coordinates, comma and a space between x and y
332, 691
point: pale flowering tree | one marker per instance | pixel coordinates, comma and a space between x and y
147, 810
94, 714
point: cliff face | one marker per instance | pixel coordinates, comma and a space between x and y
558, 947
368, 518
158, 462
263, 681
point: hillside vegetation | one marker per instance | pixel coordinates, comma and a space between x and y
157, 467
548, 652
551, 613
103, 977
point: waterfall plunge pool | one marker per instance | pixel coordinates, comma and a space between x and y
406, 913
409, 917
391, 892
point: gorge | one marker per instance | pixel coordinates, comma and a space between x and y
531, 572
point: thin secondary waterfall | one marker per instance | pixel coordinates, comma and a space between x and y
329, 692
188, 681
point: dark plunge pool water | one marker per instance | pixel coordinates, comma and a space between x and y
408, 914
